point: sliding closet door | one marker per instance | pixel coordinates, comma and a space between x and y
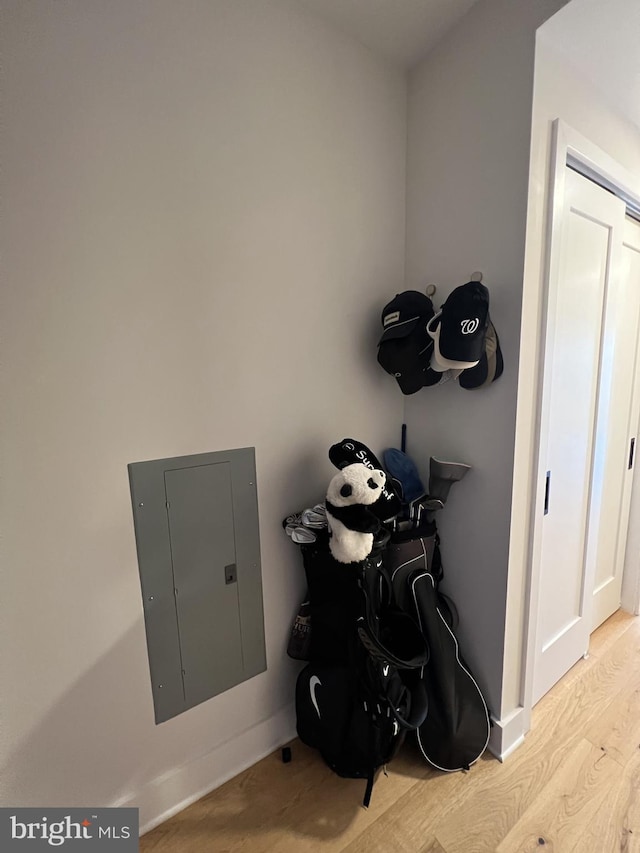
580, 345
616, 431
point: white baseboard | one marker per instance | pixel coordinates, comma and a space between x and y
174, 791
507, 734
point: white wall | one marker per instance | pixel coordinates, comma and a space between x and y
467, 166
560, 91
205, 208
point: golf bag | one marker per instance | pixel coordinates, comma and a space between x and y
361, 690
455, 731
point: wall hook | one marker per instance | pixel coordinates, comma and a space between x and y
476, 276
430, 290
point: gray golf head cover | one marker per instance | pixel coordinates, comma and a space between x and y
442, 475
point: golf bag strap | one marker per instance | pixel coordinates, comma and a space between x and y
376, 620
418, 705
382, 653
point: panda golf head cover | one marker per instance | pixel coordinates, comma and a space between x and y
347, 452
352, 524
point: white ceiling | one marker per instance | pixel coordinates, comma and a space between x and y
403, 31
601, 38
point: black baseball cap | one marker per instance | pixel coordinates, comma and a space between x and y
490, 366
401, 316
459, 330
405, 348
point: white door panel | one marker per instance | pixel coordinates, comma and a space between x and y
573, 394
613, 478
630, 593
592, 222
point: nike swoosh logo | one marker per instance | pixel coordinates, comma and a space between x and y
314, 682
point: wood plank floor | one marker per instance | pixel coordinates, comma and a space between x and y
572, 787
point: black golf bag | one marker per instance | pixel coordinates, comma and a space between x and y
361, 690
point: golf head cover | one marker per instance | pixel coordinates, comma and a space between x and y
352, 525
347, 452
401, 467
442, 475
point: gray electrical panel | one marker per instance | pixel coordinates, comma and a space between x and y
198, 543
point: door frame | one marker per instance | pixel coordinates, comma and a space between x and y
568, 148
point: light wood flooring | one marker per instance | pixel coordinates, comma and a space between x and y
574, 785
